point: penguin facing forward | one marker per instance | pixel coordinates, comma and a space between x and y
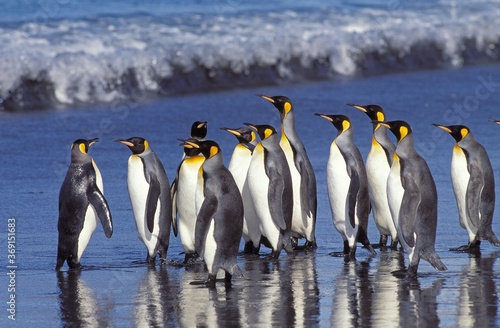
238, 166
149, 192
347, 188
303, 177
81, 205
219, 223
270, 184
378, 165
412, 196
183, 191
474, 187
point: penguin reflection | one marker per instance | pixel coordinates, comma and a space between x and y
352, 298
77, 302
156, 299
478, 300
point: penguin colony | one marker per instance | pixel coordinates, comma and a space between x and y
267, 195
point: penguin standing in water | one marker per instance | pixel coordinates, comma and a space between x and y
347, 188
219, 223
303, 178
81, 205
238, 166
474, 187
412, 196
378, 166
270, 184
184, 190
149, 192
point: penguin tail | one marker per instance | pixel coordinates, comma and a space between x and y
494, 240
435, 261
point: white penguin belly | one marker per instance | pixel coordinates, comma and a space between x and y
377, 169
186, 205
338, 182
300, 225
210, 249
238, 166
91, 219
138, 189
258, 185
460, 179
395, 193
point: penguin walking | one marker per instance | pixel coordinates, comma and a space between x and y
303, 178
238, 166
183, 191
219, 223
412, 196
347, 188
149, 192
378, 166
473, 184
270, 184
81, 205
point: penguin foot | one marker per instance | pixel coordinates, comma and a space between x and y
394, 245
210, 282
470, 248
337, 254
382, 243
190, 258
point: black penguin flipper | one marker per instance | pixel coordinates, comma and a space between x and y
352, 196
100, 205
152, 201
203, 220
408, 212
473, 197
173, 193
308, 188
275, 199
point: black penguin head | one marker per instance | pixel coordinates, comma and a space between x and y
282, 103
243, 134
199, 130
264, 131
137, 145
399, 128
189, 148
374, 112
80, 147
207, 148
458, 132
341, 122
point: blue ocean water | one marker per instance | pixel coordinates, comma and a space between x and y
66, 52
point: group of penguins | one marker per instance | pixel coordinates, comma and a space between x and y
267, 195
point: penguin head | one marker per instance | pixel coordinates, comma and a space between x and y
199, 130
458, 132
207, 148
374, 112
80, 147
243, 134
137, 145
341, 122
399, 128
264, 131
282, 103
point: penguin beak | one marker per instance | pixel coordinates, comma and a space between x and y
271, 100
125, 142
93, 141
361, 108
251, 126
236, 133
190, 144
382, 123
324, 116
495, 121
442, 127
202, 124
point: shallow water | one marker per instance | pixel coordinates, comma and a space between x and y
116, 288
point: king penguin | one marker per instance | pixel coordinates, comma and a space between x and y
149, 192
303, 178
270, 184
184, 190
473, 183
378, 165
219, 223
238, 166
412, 196
347, 187
81, 204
